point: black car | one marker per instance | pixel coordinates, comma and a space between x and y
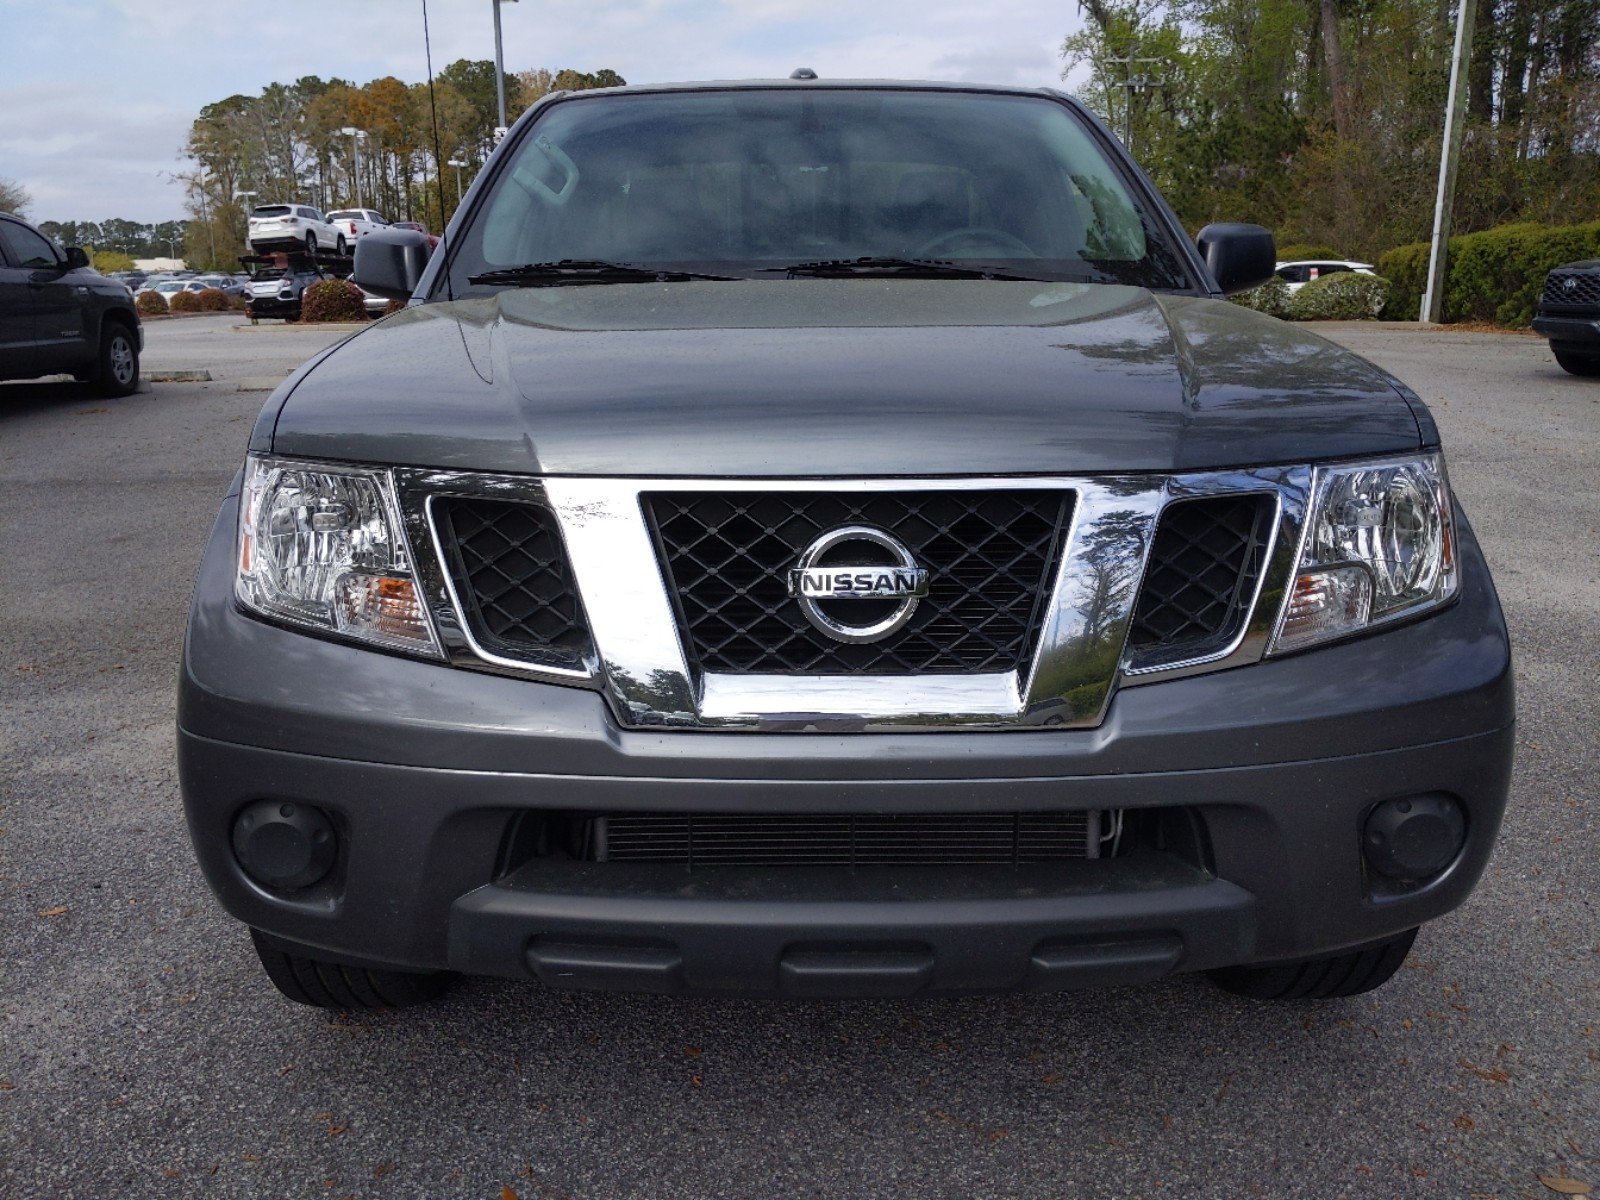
58, 315
1569, 315
835, 539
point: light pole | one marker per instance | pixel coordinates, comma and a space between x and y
355, 135
499, 72
205, 216
457, 164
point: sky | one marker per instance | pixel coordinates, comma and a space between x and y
98, 95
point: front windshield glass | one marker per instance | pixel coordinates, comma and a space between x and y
735, 182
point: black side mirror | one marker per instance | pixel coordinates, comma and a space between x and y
1241, 257
390, 262
76, 257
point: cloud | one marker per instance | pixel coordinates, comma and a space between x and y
104, 149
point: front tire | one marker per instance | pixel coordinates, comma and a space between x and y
324, 984
1574, 363
117, 368
1332, 978
311, 243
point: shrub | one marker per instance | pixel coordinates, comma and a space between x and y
1494, 275
213, 300
1342, 296
1272, 298
1295, 252
1406, 269
393, 307
332, 300
238, 303
151, 304
184, 302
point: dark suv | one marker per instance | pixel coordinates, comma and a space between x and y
1569, 315
835, 539
58, 315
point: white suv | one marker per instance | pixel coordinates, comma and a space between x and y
356, 223
290, 226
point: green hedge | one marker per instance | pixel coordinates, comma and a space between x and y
1272, 298
1342, 296
1494, 276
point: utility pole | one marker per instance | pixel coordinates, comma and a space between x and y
1455, 111
457, 164
1132, 83
499, 72
205, 216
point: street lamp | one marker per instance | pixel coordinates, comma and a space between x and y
457, 164
355, 135
499, 70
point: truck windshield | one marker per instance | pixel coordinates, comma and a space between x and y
743, 182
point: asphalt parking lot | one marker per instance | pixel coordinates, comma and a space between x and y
142, 1053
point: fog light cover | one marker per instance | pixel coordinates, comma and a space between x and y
321, 545
1379, 545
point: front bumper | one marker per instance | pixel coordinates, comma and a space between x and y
1569, 330
272, 306
423, 768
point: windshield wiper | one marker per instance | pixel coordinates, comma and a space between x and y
588, 270
908, 268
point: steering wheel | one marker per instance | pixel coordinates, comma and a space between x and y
976, 241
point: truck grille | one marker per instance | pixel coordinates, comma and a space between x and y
511, 573
844, 840
1584, 292
991, 557
1202, 572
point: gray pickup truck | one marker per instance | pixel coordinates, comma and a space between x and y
811, 539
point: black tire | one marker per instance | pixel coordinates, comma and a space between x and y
324, 984
116, 371
1348, 974
341, 247
1577, 364
311, 243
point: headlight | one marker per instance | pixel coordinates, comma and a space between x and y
322, 546
1379, 545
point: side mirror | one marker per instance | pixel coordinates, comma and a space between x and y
76, 257
390, 262
1241, 257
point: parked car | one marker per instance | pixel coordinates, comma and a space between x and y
292, 227
228, 285
417, 227
1568, 314
278, 291
1302, 271
864, 556
356, 223
59, 315
166, 288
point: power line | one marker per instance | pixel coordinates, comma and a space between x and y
1134, 83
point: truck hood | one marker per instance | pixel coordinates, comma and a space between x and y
851, 377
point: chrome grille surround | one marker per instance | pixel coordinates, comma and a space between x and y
638, 661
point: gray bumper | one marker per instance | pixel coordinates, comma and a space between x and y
424, 766
1577, 331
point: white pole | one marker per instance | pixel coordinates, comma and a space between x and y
1449, 160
